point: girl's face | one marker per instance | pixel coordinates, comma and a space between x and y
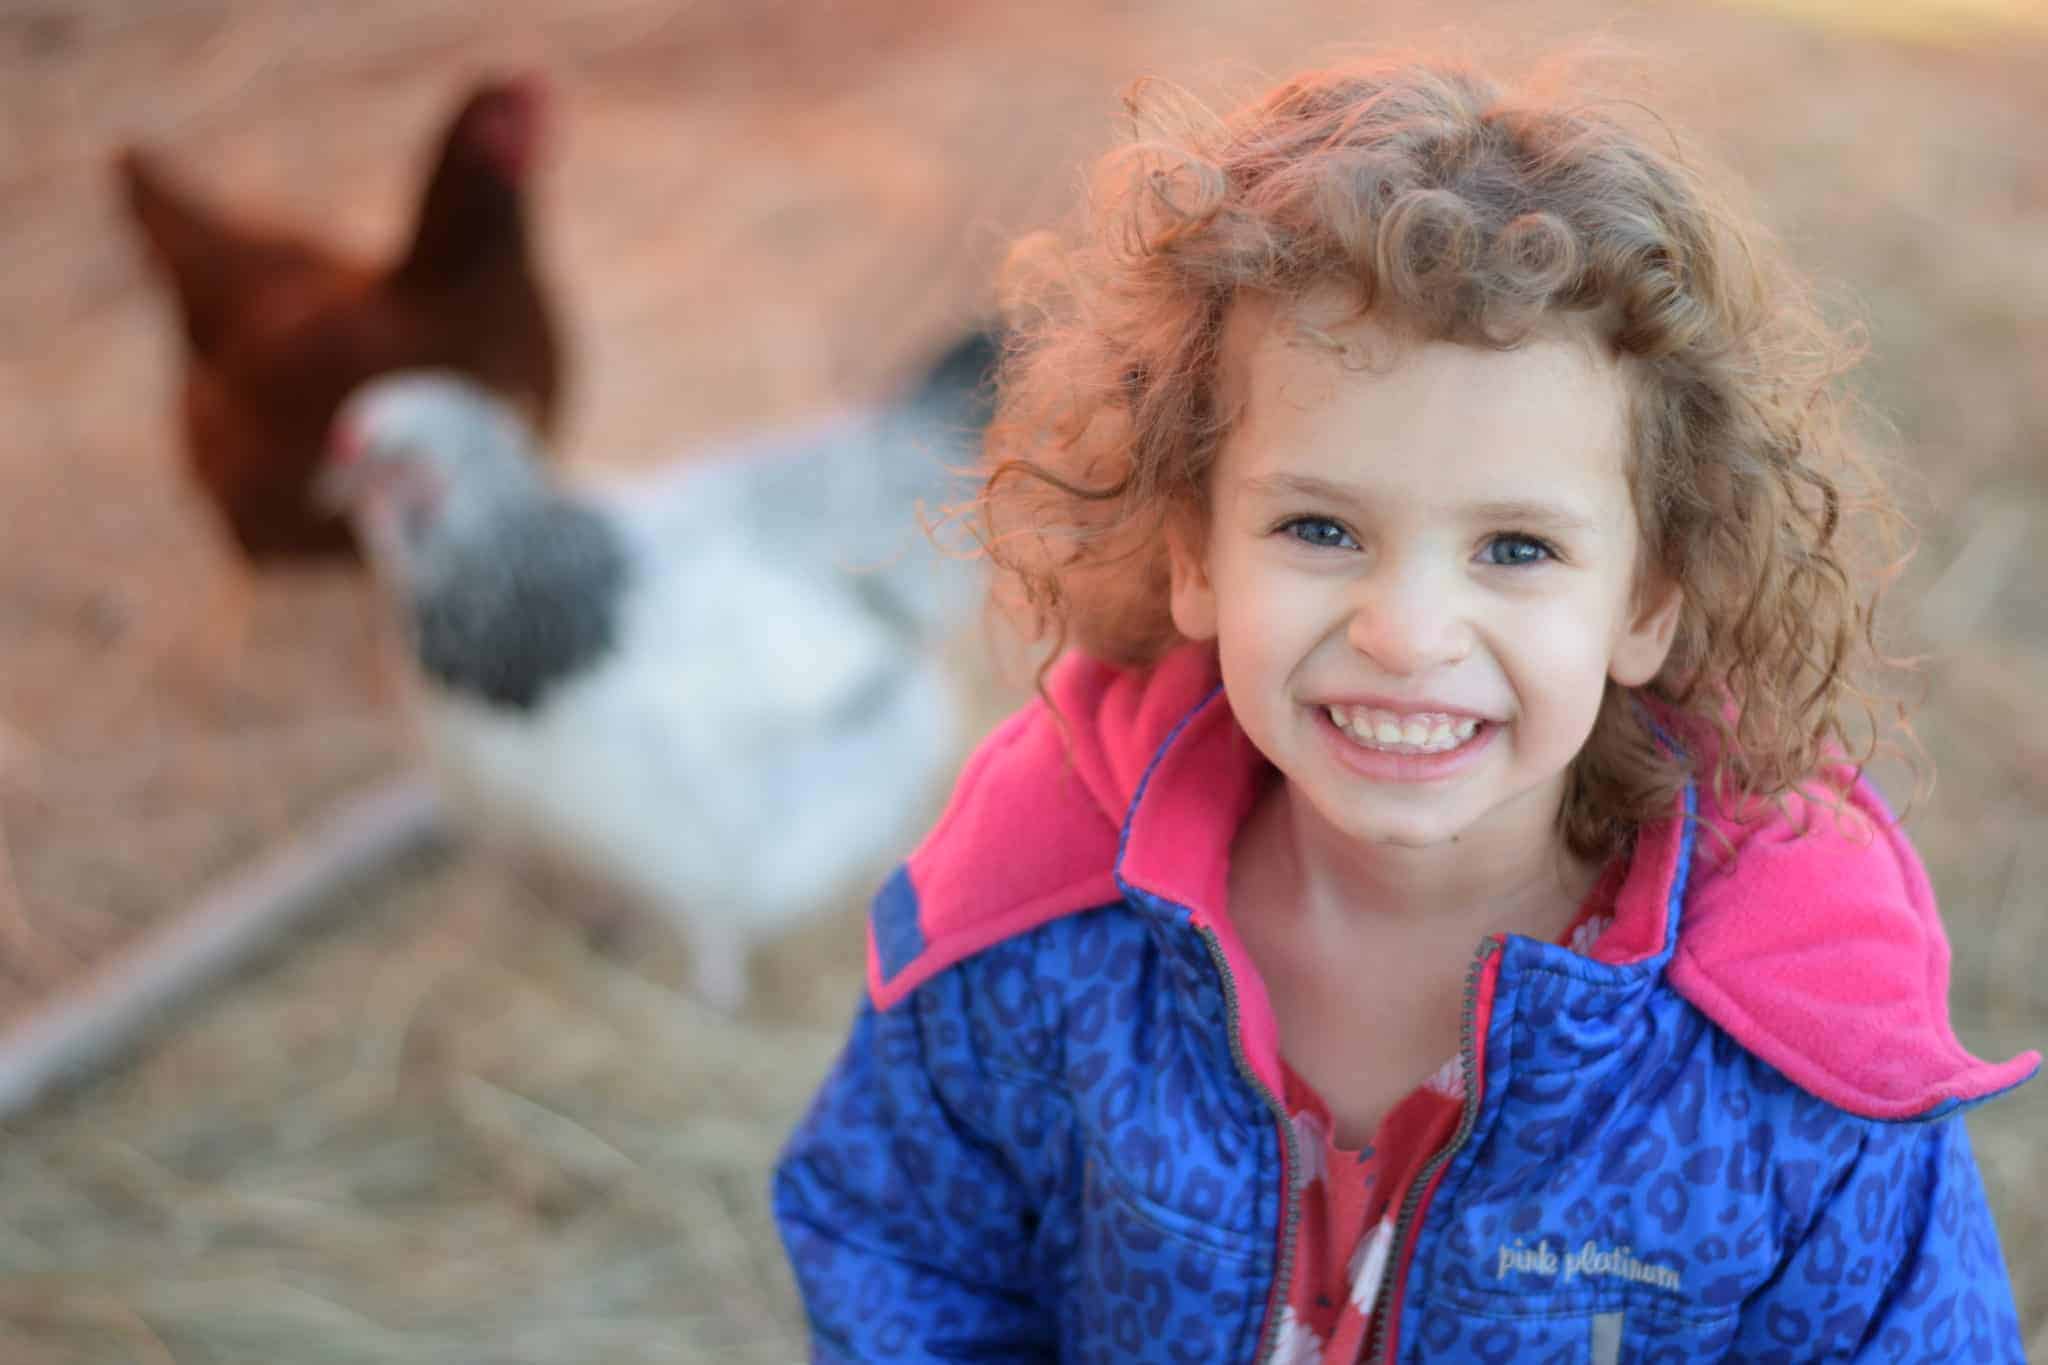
1421, 575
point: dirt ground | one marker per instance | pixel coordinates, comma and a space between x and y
441, 1125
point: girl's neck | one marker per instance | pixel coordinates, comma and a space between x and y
1517, 876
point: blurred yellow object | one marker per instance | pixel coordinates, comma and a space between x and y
1952, 23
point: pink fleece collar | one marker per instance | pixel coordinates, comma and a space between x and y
1822, 955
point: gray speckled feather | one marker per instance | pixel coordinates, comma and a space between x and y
525, 606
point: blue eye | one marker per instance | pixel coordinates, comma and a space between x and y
1320, 532
1512, 551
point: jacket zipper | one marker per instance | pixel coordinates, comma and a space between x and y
1291, 1157
1411, 1203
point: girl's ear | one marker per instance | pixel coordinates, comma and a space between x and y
1646, 641
1194, 597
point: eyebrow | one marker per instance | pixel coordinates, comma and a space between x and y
1548, 516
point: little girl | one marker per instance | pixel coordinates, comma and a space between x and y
1435, 913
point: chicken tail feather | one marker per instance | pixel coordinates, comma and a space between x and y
211, 263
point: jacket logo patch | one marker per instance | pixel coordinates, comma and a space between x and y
1591, 1260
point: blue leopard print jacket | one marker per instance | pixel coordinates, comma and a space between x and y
1054, 1133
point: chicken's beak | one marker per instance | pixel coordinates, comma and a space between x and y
337, 486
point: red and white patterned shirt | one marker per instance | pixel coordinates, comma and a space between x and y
1349, 1196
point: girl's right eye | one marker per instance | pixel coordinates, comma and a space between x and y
1320, 532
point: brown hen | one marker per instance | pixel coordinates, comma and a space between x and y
279, 328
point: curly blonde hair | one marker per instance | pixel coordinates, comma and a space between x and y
1459, 211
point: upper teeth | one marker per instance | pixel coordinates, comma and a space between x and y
1426, 733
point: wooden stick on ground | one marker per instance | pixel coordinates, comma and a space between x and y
100, 1013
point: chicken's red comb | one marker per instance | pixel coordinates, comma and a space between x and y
507, 121
344, 443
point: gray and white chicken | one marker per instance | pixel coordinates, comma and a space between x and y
719, 684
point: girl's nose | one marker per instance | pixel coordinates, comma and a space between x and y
1408, 622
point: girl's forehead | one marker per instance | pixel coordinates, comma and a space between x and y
1312, 382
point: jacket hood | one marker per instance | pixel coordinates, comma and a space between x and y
1811, 936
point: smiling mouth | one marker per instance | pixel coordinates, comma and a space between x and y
1387, 733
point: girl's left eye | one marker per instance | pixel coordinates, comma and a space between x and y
1512, 551
1320, 532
